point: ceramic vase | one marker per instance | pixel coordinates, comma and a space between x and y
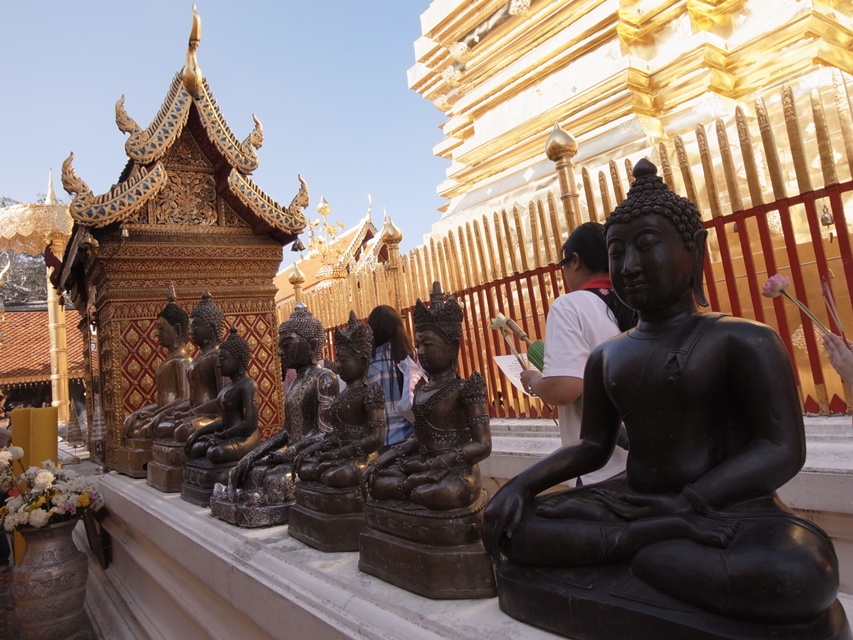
49, 584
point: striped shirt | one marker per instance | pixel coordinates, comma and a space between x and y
384, 372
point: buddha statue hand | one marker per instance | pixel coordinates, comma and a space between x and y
240, 473
632, 506
503, 514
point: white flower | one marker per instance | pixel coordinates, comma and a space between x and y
17, 453
39, 518
43, 480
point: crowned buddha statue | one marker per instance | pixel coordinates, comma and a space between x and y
172, 428
260, 489
691, 540
172, 387
328, 512
214, 449
426, 493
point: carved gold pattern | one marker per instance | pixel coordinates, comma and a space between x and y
240, 155
824, 142
118, 203
189, 198
728, 166
748, 155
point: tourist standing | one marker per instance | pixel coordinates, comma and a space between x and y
578, 321
391, 345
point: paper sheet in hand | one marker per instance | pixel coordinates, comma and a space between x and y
512, 369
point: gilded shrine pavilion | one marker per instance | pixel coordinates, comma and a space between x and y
183, 211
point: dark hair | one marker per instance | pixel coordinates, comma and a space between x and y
587, 240
387, 326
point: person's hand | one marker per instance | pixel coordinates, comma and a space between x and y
503, 515
840, 356
528, 377
635, 506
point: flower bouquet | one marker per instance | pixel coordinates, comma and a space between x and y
42, 495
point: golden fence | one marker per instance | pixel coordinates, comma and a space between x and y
774, 183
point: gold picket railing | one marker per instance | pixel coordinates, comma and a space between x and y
774, 184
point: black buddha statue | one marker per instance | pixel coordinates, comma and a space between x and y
328, 512
691, 541
260, 489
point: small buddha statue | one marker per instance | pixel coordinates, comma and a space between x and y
426, 497
235, 432
207, 323
357, 416
171, 375
172, 428
328, 513
260, 490
692, 533
438, 468
172, 387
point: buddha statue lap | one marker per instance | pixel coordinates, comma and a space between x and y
426, 497
170, 378
691, 541
260, 489
214, 449
328, 513
172, 428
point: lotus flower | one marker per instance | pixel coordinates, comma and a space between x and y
777, 285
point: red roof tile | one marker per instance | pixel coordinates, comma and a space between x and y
25, 348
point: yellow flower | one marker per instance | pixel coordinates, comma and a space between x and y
38, 502
83, 500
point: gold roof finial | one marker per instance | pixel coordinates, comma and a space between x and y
50, 198
192, 72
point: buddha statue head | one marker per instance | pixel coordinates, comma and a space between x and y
656, 244
234, 354
353, 348
438, 331
208, 322
300, 339
172, 323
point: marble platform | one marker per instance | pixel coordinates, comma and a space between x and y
177, 572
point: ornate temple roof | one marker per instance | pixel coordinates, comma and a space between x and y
26, 349
189, 103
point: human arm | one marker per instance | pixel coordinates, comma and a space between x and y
599, 430
840, 356
554, 390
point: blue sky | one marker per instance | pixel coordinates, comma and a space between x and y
326, 78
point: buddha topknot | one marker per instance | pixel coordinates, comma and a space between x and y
304, 324
237, 347
210, 312
649, 194
174, 315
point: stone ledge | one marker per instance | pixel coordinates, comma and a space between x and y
178, 572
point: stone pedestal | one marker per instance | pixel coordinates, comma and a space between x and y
200, 476
251, 516
438, 554
609, 602
326, 518
166, 469
132, 458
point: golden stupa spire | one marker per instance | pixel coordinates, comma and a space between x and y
50, 198
192, 72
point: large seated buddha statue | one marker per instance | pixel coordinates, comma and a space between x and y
170, 379
328, 513
214, 449
260, 489
426, 495
691, 540
172, 428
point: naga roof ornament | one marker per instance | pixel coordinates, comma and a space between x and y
146, 149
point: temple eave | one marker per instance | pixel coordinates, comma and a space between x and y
119, 203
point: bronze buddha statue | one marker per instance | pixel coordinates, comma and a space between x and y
172, 428
260, 490
172, 386
693, 530
426, 493
328, 513
235, 432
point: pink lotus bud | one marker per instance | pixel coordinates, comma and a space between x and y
775, 286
